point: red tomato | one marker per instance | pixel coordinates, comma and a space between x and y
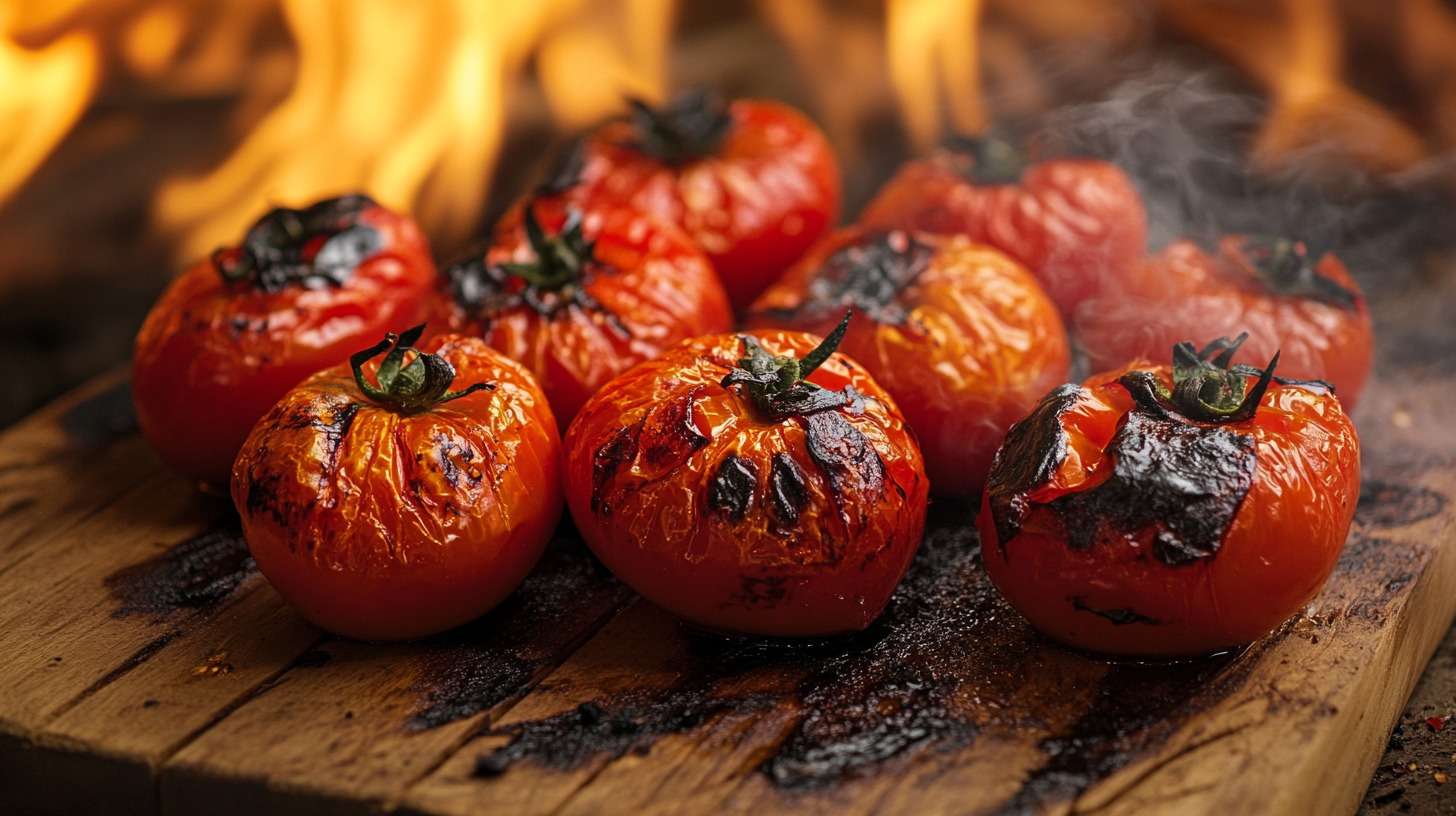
578, 299
399, 509
959, 334
750, 483
1303, 305
230, 336
1072, 222
754, 183
1158, 511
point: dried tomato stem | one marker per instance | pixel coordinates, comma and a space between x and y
993, 160
560, 259
689, 127
418, 385
777, 385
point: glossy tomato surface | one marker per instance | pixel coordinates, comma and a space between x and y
790, 525
1301, 304
754, 183
382, 524
228, 338
1117, 528
624, 286
959, 334
1072, 222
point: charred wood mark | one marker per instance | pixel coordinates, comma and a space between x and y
731, 491
1389, 504
1033, 450
1184, 481
196, 574
1117, 617
788, 489
99, 420
140, 656
608, 459
483, 664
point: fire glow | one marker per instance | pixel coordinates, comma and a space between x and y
410, 101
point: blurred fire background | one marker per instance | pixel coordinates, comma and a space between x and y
136, 135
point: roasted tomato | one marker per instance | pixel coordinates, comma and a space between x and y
750, 483
1300, 303
580, 298
400, 508
1072, 222
754, 183
960, 335
230, 336
1158, 511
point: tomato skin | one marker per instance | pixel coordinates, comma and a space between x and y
801, 552
1184, 292
213, 356
653, 286
382, 525
966, 348
754, 205
1277, 552
1072, 222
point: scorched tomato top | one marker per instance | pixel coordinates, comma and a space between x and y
750, 483
1158, 511
304, 290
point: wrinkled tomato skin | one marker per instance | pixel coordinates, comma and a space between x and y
754, 206
646, 506
212, 356
654, 286
1072, 222
1278, 551
380, 525
1184, 292
979, 344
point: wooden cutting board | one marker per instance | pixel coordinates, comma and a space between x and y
147, 667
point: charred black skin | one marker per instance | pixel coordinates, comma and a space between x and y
868, 275
271, 256
1034, 448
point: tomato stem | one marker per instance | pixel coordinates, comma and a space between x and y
777, 385
992, 160
692, 125
1288, 267
1206, 386
277, 250
418, 385
560, 259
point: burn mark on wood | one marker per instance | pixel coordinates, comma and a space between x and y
196, 574
1118, 617
731, 491
608, 459
1389, 504
788, 489
100, 419
1034, 448
844, 455
483, 664
1184, 481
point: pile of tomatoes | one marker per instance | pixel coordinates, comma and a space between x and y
400, 440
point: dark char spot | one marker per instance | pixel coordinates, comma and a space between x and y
730, 493
867, 275
195, 574
844, 455
1118, 617
1034, 448
101, 419
608, 459
787, 486
1387, 504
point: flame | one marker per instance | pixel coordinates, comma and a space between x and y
46, 90
933, 58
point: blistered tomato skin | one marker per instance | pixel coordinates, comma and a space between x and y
216, 352
1072, 222
754, 184
1118, 525
794, 520
959, 334
385, 523
618, 287
1303, 305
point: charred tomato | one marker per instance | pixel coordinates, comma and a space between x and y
752, 182
398, 508
304, 290
1171, 511
1071, 221
959, 334
579, 296
1301, 302
750, 483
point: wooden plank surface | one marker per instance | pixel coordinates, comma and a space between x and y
149, 668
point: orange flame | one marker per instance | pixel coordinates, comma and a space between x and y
933, 58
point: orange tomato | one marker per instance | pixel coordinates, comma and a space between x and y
399, 509
750, 483
1171, 511
959, 334
304, 290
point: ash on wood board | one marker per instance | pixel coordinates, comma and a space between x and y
152, 669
